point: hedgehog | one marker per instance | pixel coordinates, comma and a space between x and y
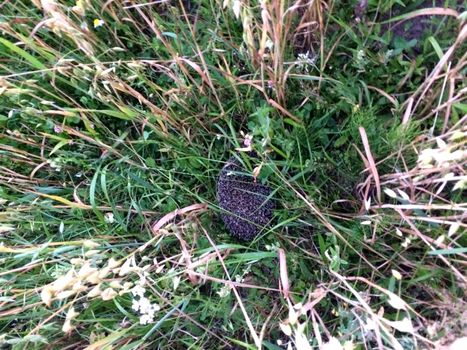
247, 206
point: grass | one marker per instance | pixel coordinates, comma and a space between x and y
112, 137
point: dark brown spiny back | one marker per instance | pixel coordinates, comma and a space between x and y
246, 205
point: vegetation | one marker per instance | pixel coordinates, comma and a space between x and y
116, 118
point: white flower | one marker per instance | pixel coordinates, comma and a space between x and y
98, 23
144, 305
224, 291
145, 319
145, 309
304, 60
406, 243
109, 218
138, 291
135, 305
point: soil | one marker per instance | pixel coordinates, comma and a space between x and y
420, 27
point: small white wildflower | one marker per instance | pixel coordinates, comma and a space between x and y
135, 304
273, 247
142, 280
248, 140
239, 279
144, 305
109, 218
138, 291
146, 319
98, 23
360, 60
55, 164
269, 44
406, 243
224, 291
304, 60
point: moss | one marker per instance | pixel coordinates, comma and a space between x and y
247, 206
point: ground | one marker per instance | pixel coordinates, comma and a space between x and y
117, 118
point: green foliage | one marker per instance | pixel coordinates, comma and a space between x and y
104, 131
